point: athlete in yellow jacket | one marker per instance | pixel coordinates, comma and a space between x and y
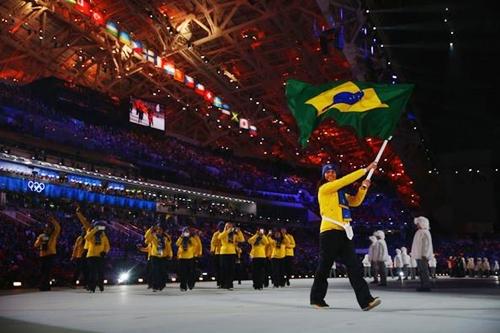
215, 245
336, 234
289, 254
186, 249
97, 248
46, 244
229, 238
160, 249
259, 243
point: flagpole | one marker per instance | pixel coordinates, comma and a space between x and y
379, 155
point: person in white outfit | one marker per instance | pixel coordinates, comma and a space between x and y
389, 264
371, 253
496, 267
406, 262
478, 268
470, 267
486, 267
398, 263
432, 266
367, 266
380, 255
423, 251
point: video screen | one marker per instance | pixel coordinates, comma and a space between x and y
147, 114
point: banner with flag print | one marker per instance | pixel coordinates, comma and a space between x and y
371, 110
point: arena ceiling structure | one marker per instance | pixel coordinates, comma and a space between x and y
241, 51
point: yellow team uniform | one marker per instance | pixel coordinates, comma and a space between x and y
258, 250
291, 245
278, 252
189, 251
46, 243
330, 204
94, 248
228, 247
215, 243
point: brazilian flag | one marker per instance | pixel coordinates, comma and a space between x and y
372, 110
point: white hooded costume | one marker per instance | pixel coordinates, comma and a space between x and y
398, 259
422, 241
380, 255
422, 251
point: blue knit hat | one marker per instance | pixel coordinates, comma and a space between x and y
328, 167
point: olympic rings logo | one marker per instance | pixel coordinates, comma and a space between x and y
36, 186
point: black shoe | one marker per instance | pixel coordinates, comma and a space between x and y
423, 289
375, 302
288, 283
321, 304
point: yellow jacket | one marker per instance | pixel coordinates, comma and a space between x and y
46, 243
228, 247
215, 243
94, 249
328, 199
258, 250
199, 247
187, 253
290, 246
269, 248
153, 241
279, 252
78, 249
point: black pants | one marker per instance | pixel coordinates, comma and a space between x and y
238, 271
186, 268
194, 274
47, 263
268, 273
227, 266
382, 270
278, 272
80, 269
288, 268
335, 245
96, 273
258, 272
149, 274
159, 274
216, 264
423, 270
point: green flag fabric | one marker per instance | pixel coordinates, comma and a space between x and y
372, 110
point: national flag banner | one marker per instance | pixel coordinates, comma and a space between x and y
179, 75
199, 89
124, 38
159, 62
169, 68
226, 106
209, 96
370, 109
137, 46
228, 113
217, 102
149, 55
112, 28
189, 81
244, 123
234, 117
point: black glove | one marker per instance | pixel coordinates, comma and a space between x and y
103, 254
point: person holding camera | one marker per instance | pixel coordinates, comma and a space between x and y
160, 249
289, 254
86, 226
229, 239
186, 248
259, 243
215, 245
279, 242
97, 248
198, 252
46, 243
